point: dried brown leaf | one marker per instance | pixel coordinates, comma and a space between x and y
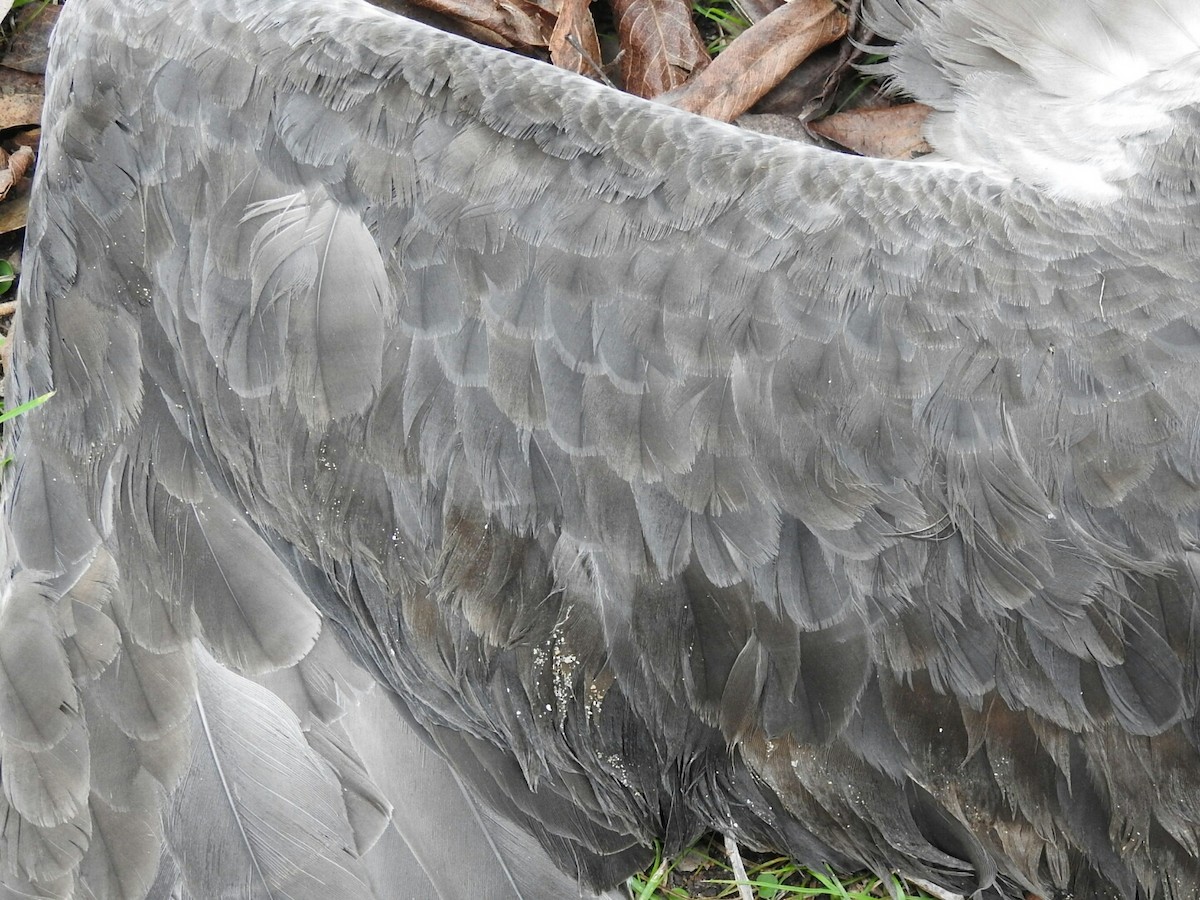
574, 44
14, 82
662, 47
811, 89
20, 161
518, 23
30, 137
14, 212
757, 10
804, 89
761, 56
15, 166
21, 96
890, 133
20, 109
787, 127
27, 51
451, 24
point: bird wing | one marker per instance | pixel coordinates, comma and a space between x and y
604, 438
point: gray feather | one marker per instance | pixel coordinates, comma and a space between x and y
259, 798
38, 702
463, 476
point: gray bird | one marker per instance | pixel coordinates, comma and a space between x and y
462, 475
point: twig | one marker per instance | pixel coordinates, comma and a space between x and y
932, 889
577, 46
739, 868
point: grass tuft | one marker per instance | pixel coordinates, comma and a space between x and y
719, 22
704, 872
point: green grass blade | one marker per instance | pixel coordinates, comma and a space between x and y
24, 407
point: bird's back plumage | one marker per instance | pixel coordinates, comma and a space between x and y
455, 462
